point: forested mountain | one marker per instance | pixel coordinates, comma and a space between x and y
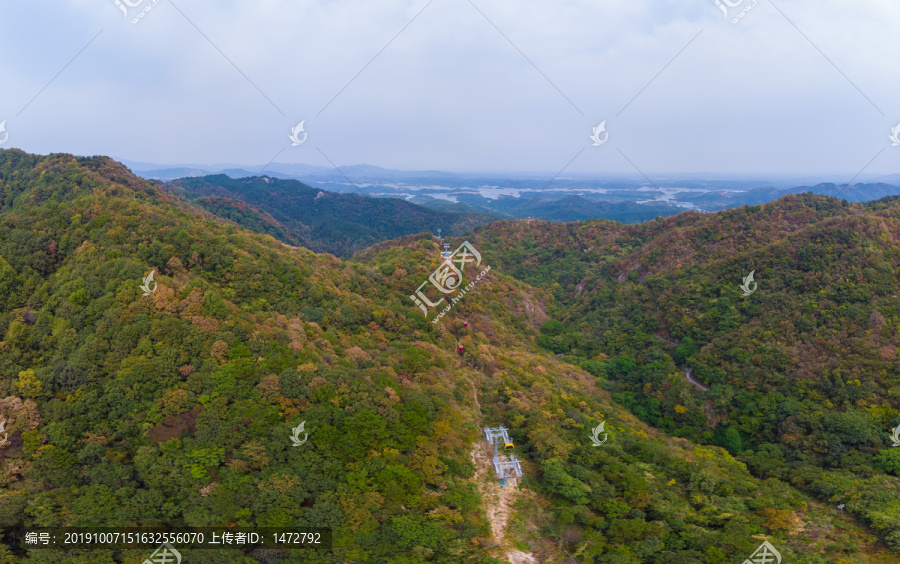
850, 192
319, 220
800, 379
567, 208
176, 408
255, 219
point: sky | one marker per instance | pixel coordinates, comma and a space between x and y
680, 86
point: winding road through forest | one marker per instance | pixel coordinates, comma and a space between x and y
687, 374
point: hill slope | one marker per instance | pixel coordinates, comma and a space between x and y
800, 379
852, 193
176, 408
564, 208
323, 221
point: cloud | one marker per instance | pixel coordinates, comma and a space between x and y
459, 85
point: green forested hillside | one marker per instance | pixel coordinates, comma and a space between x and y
176, 408
322, 221
567, 208
253, 219
802, 376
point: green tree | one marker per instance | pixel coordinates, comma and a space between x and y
560, 482
412, 530
888, 460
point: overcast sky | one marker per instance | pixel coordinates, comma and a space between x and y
795, 86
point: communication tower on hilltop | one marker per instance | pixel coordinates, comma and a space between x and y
504, 467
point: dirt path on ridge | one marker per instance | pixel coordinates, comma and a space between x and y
497, 500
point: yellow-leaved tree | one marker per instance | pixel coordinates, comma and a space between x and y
28, 384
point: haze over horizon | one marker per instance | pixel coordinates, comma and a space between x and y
790, 89
261, 169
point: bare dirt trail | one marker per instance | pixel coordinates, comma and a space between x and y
477, 405
497, 500
710, 413
666, 340
687, 374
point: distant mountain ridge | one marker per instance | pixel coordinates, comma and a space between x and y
851, 193
280, 170
565, 209
320, 220
560, 199
363, 171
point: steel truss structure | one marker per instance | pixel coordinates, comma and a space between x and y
504, 467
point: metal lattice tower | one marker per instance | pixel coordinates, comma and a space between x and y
507, 468
503, 466
494, 437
